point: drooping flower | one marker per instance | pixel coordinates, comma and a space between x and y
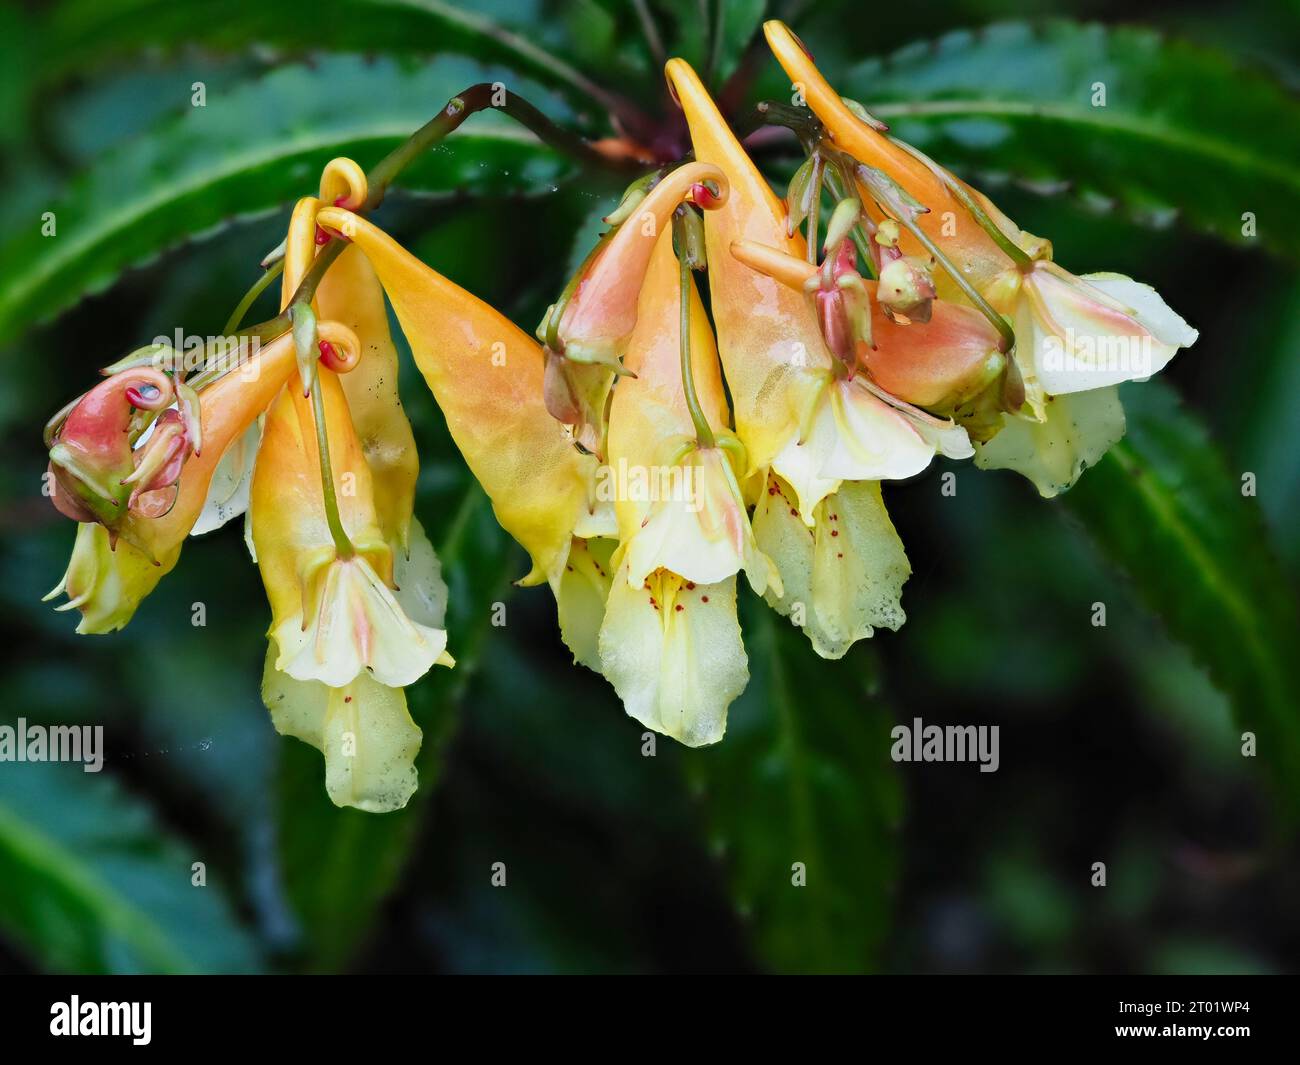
800, 406
586, 333
843, 574
812, 431
1072, 334
350, 293
948, 223
670, 642
861, 428
771, 348
325, 561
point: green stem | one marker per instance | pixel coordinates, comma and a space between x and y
652, 38
715, 40
799, 120
861, 240
960, 193
815, 205
476, 98
886, 194
703, 433
981, 304
250, 297
342, 545
531, 53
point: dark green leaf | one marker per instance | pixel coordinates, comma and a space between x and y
1164, 506
85, 33
1184, 132
804, 775
712, 36
248, 152
339, 865
90, 883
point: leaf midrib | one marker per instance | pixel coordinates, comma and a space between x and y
1129, 124
50, 858
1157, 494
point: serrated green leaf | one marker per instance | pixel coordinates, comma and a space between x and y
83, 33
246, 153
804, 775
338, 865
1165, 507
90, 883
1185, 132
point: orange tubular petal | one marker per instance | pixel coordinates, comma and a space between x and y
849, 132
778, 265
654, 353
768, 336
603, 311
969, 247
486, 375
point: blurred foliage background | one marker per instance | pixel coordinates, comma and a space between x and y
1119, 744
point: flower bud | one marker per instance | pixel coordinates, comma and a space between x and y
907, 288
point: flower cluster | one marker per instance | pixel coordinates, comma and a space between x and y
915, 320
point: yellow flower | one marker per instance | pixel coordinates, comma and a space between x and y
843, 575
334, 614
487, 377
673, 652
586, 333
768, 339
350, 293
1073, 335
669, 642
856, 430
1077, 338
818, 440
363, 728
815, 426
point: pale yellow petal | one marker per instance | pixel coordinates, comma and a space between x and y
364, 731
1077, 431
580, 598
843, 578
673, 652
